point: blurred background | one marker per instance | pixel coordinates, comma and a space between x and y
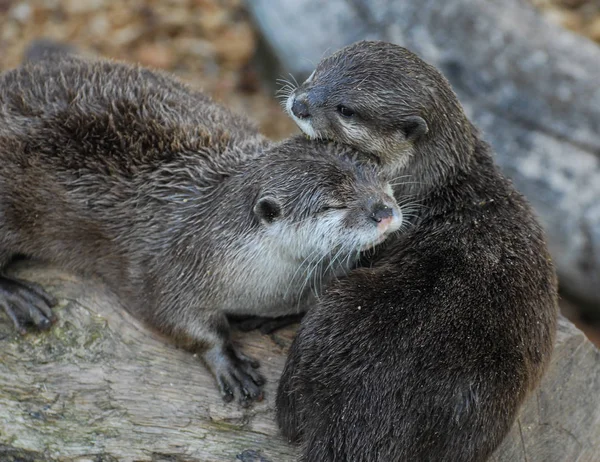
209, 43
236, 50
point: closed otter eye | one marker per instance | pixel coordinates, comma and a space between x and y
345, 111
327, 208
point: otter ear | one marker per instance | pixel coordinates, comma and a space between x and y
414, 127
267, 209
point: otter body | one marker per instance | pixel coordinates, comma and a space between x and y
182, 208
427, 353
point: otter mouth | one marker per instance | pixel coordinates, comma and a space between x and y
304, 123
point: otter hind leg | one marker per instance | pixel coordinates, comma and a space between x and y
26, 303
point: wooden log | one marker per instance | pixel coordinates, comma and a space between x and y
530, 85
561, 420
100, 386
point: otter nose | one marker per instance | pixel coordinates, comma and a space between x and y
300, 109
381, 212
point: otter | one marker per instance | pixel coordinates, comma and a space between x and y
181, 207
427, 351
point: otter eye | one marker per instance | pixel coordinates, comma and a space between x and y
345, 111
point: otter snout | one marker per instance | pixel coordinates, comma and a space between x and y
381, 212
300, 109
388, 217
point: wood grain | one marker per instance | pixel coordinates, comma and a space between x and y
100, 386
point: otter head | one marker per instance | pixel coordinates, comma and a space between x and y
380, 99
316, 202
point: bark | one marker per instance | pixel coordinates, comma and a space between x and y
531, 86
100, 386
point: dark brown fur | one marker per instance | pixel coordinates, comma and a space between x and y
180, 206
427, 353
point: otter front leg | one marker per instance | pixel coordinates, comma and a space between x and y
235, 372
26, 303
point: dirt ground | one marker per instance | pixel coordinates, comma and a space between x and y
581, 16
209, 43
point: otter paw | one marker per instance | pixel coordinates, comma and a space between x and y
236, 375
26, 303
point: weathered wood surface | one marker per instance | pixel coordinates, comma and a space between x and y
560, 421
532, 87
100, 386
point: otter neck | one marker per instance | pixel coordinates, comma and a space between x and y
436, 161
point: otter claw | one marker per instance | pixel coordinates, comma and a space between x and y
26, 303
236, 375
226, 392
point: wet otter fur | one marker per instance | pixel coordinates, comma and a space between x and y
427, 351
182, 208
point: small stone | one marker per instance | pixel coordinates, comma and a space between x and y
197, 47
249, 81
571, 3
236, 45
81, 6
99, 25
567, 19
594, 29
155, 55
126, 35
21, 12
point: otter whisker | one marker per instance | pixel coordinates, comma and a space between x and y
400, 176
324, 53
310, 61
304, 284
333, 260
287, 84
288, 87
402, 183
315, 274
409, 203
283, 80
298, 270
350, 255
283, 93
294, 79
